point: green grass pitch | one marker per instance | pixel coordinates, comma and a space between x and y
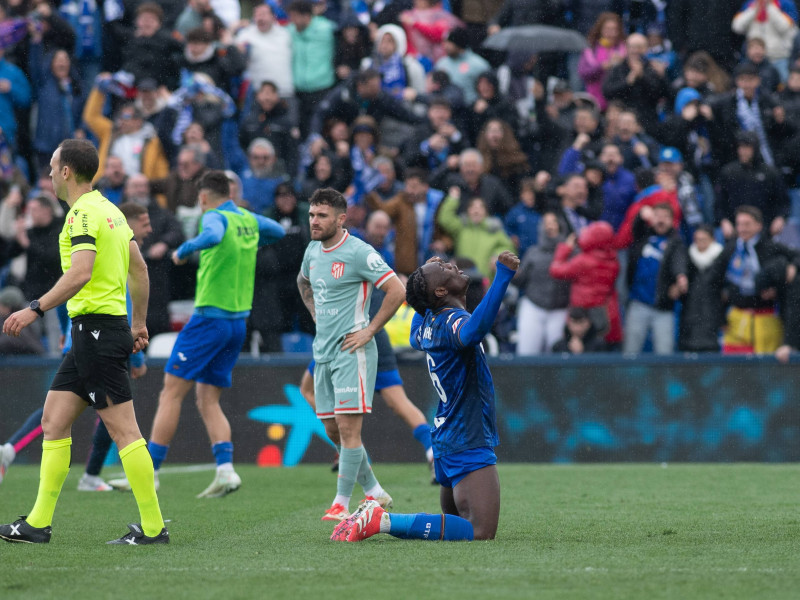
571, 532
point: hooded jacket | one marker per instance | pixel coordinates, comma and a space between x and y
415, 73
593, 270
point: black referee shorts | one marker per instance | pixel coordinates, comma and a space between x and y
96, 367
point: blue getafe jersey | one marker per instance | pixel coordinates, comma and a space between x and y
465, 417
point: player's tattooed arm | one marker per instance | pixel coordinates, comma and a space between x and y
307, 294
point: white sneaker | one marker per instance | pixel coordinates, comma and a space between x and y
124, 486
93, 483
7, 456
224, 483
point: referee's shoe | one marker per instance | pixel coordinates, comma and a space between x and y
136, 537
20, 531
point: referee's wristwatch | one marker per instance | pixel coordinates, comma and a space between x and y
34, 306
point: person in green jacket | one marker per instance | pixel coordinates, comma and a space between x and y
476, 235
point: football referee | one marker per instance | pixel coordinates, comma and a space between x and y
98, 255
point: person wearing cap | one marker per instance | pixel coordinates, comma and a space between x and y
462, 64
670, 162
744, 108
750, 181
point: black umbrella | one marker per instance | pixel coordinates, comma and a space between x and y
536, 39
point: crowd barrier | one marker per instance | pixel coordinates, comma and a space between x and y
704, 408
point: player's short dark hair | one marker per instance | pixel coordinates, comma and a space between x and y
301, 7
417, 292
216, 182
329, 197
132, 210
268, 83
81, 157
754, 212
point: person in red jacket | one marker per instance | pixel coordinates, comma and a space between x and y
664, 191
592, 272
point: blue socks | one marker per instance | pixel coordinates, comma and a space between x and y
422, 433
223, 452
422, 526
158, 453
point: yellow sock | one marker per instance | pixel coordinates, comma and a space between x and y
138, 468
56, 455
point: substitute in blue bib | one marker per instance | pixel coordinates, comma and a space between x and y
208, 347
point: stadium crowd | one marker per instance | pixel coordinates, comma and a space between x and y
648, 181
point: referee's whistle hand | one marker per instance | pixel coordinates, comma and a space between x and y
141, 339
18, 321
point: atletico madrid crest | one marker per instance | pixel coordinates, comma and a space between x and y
337, 269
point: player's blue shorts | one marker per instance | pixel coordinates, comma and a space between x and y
206, 350
383, 380
451, 469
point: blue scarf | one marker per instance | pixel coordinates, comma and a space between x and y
750, 119
744, 266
